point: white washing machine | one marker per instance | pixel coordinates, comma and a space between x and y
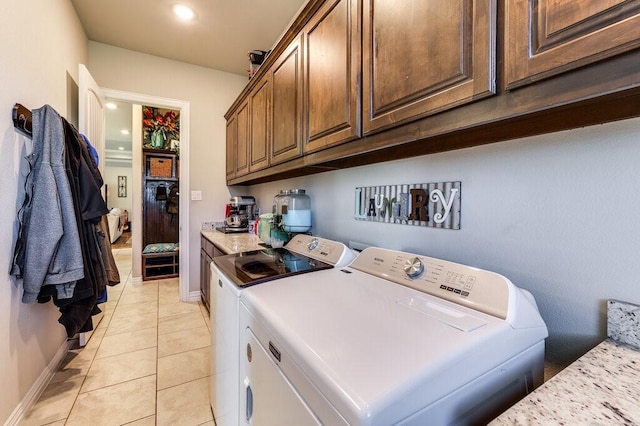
394, 338
230, 276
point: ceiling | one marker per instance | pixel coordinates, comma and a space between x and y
219, 37
117, 145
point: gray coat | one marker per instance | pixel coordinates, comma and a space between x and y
48, 249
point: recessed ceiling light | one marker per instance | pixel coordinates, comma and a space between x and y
111, 105
183, 12
121, 148
124, 131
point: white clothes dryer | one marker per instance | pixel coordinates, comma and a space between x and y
394, 338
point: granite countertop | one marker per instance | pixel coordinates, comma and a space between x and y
233, 243
601, 387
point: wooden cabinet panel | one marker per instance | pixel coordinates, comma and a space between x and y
207, 252
242, 144
232, 140
159, 225
332, 70
260, 99
205, 275
425, 56
287, 105
428, 76
548, 37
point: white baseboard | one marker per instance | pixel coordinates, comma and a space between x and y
136, 280
194, 296
39, 386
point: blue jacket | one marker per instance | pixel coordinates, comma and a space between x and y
48, 249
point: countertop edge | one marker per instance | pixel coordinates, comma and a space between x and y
232, 243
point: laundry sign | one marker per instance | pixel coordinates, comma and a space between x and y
436, 205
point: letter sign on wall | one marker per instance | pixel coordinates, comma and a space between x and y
435, 205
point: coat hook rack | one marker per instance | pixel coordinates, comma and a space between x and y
22, 119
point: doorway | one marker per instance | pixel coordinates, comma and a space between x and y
137, 100
118, 171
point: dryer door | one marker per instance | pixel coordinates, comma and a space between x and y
267, 397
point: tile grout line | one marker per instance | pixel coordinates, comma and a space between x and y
84, 379
157, 353
166, 298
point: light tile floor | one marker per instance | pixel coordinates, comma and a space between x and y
147, 363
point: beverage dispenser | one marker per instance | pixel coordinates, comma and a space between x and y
296, 211
291, 215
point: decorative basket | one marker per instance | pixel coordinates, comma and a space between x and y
160, 167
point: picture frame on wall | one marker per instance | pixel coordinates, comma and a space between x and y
122, 186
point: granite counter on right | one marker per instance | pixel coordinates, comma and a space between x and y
601, 387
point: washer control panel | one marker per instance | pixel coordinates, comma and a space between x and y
333, 252
472, 287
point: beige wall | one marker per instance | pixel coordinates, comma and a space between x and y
557, 214
40, 42
210, 93
111, 174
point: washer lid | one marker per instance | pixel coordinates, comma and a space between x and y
379, 351
258, 266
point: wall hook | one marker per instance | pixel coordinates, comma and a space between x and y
22, 119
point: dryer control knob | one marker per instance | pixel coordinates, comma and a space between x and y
313, 244
413, 267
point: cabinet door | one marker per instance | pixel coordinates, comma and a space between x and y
242, 145
204, 277
548, 37
332, 70
287, 105
260, 99
421, 57
232, 141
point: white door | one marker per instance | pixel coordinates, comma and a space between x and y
91, 123
91, 117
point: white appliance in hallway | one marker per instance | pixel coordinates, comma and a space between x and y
394, 338
230, 276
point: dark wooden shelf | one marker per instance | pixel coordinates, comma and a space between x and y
160, 265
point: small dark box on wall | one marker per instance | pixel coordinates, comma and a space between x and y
256, 57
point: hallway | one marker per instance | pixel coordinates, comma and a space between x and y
147, 363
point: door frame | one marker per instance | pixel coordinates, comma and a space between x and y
136, 252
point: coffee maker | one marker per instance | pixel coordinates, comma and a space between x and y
240, 211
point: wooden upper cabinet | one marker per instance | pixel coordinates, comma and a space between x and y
242, 144
547, 37
286, 79
421, 57
232, 141
260, 100
332, 70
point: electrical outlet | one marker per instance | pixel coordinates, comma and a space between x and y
196, 195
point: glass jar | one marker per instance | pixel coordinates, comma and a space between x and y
278, 201
296, 211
